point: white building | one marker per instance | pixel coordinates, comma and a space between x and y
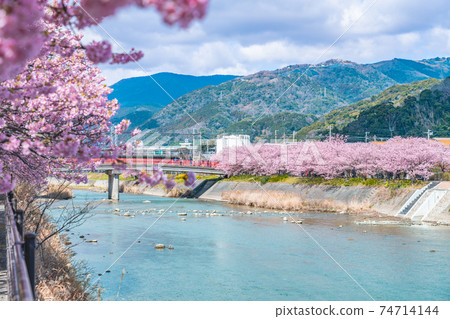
231, 141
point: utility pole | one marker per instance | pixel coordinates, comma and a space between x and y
193, 142
367, 136
330, 130
113, 137
200, 155
276, 136
284, 138
429, 133
293, 136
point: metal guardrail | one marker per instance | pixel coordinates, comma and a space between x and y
20, 254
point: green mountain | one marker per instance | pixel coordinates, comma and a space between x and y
405, 110
430, 110
302, 89
340, 118
141, 97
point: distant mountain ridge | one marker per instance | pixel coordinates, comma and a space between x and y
149, 94
407, 71
305, 89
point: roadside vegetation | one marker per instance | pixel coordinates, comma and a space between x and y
58, 276
355, 181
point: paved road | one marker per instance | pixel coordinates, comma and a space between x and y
3, 274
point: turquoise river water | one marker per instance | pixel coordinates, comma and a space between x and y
240, 256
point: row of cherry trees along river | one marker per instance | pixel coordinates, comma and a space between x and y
54, 107
397, 158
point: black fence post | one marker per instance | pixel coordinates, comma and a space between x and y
29, 253
18, 216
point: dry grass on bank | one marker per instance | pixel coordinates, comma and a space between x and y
135, 187
57, 277
290, 202
57, 192
179, 191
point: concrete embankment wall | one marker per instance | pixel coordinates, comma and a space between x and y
378, 199
441, 212
433, 206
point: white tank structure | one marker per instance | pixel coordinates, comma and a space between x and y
229, 141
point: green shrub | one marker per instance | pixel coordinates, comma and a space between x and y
277, 178
371, 182
264, 179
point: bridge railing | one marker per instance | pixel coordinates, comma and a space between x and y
20, 254
166, 161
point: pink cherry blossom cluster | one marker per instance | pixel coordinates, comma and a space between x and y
123, 58
99, 52
173, 11
180, 11
25, 32
190, 180
20, 34
398, 157
122, 126
135, 132
156, 178
7, 183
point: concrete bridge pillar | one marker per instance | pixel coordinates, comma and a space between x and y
113, 185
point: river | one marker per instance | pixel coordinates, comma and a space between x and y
254, 257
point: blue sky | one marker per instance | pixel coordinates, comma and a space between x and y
245, 36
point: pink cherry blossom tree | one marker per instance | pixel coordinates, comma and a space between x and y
55, 114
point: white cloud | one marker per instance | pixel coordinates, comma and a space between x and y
245, 36
115, 74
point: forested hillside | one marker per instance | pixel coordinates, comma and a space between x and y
403, 110
309, 90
